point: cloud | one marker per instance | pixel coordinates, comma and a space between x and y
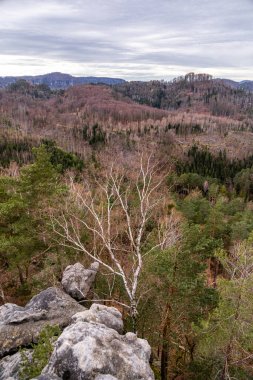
134, 39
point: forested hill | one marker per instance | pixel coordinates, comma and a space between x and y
58, 80
195, 92
86, 116
161, 198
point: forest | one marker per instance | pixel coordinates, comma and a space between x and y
160, 198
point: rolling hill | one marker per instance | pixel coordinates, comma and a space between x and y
59, 80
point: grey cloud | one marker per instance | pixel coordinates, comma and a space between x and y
145, 33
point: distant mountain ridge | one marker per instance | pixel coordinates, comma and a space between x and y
57, 80
246, 85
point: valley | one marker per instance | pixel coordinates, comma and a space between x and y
151, 184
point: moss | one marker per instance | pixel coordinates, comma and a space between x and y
32, 367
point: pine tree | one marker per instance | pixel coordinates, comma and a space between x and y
24, 204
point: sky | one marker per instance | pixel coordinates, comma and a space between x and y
129, 39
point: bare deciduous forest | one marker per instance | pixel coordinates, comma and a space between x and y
153, 180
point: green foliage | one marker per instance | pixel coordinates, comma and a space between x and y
186, 182
197, 302
21, 86
156, 371
231, 207
179, 298
184, 129
216, 222
19, 150
227, 335
204, 163
31, 368
60, 159
222, 219
242, 225
216, 225
16, 240
196, 209
94, 134
213, 223
23, 211
244, 183
38, 180
97, 135
201, 369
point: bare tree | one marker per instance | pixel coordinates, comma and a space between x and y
117, 213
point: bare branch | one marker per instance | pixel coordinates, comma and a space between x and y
107, 215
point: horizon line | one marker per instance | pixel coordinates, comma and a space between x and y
122, 78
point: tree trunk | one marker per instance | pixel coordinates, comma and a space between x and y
134, 322
165, 344
27, 272
224, 370
164, 354
21, 277
166, 328
134, 313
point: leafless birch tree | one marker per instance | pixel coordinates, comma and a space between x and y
116, 213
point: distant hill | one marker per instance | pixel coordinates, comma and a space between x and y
246, 85
76, 117
57, 81
193, 92
127, 116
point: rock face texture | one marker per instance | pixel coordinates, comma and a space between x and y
20, 326
90, 348
93, 351
77, 280
108, 316
47, 377
9, 367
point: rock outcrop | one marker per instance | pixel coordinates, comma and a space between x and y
88, 350
108, 316
20, 326
9, 367
77, 280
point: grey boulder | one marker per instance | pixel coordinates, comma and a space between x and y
20, 326
14, 314
10, 366
108, 316
93, 351
77, 280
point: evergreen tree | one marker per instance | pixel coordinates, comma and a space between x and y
226, 338
181, 297
24, 207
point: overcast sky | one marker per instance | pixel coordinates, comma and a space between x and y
131, 39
